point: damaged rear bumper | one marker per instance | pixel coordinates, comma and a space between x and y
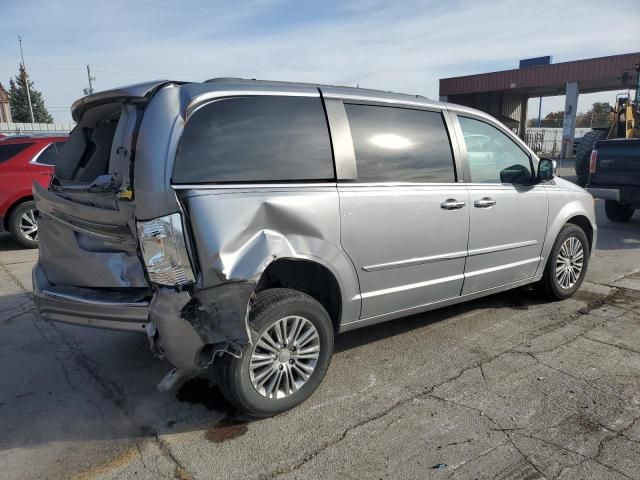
126, 310
186, 329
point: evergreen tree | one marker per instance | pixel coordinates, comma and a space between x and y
19, 103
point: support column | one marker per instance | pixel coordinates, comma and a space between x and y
569, 124
523, 117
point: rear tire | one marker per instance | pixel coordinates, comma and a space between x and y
282, 357
583, 154
23, 224
617, 212
570, 252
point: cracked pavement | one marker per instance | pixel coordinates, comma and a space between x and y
506, 387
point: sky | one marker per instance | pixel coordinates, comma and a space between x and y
401, 45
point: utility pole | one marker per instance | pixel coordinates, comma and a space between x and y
26, 81
89, 91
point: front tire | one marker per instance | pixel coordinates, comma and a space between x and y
287, 360
567, 264
23, 224
617, 212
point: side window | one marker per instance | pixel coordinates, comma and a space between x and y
49, 155
493, 157
256, 139
8, 151
400, 144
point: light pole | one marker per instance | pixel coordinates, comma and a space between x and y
89, 91
26, 81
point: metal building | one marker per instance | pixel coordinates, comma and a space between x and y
505, 94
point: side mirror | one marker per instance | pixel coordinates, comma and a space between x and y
546, 169
516, 175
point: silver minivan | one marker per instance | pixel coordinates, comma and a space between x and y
241, 224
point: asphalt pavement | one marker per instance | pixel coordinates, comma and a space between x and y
505, 387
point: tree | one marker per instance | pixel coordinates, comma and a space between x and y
19, 103
553, 119
598, 116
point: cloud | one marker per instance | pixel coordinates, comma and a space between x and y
403, 46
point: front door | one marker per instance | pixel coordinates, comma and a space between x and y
404, 220
508, 211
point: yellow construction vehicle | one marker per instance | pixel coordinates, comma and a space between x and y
625, 124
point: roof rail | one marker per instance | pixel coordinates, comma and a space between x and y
263, 82
299, 84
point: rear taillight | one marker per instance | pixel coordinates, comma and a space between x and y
592, 161
164, 250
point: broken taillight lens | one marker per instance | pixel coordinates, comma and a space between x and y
164, 250
593, 161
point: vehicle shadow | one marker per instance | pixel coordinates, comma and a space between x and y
71, 384
617, 236
521, 298
8, 243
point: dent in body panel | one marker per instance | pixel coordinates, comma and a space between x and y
237, 233
86, 246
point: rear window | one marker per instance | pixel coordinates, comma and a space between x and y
400, 144
50, 155
255, 139
9, 151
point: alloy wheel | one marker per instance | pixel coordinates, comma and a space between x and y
569, 262
284, 357
28, 225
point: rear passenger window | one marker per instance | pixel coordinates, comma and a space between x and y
49, 155
7, 152
400, 144
255, 139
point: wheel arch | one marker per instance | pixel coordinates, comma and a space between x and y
12, 207
583, 222
306, 276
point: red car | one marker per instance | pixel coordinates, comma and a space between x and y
23, 160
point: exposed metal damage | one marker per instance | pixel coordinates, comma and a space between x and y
188, 329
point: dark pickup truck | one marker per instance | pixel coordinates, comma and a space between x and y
614, 175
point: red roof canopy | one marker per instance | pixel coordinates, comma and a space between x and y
592, 75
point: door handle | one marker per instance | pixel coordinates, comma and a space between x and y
452, 204
485, 202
